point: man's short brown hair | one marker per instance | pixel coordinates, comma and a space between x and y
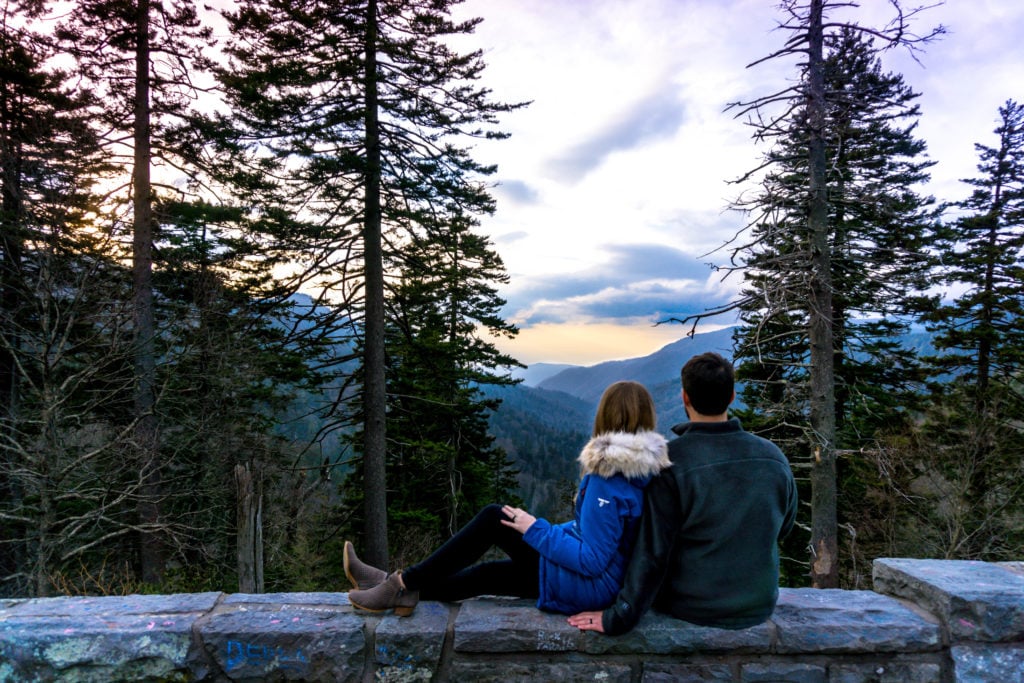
709, 382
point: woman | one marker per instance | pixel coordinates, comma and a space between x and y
570, 567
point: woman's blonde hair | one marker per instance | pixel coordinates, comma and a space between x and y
625, 407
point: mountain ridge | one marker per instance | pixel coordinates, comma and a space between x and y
589, 382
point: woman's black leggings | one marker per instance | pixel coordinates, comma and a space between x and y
450, 573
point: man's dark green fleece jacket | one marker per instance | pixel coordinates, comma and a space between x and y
707, 550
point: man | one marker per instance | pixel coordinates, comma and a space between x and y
707, 550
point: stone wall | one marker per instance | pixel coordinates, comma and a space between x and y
927, 621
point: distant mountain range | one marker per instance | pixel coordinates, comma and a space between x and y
661, 366
544, 422
659, 372
538, 372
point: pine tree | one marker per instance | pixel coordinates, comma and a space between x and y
980, 329
821, 249
140, 58
443, 463
207, 305
361, 106
230, 373
973, 427
882, 236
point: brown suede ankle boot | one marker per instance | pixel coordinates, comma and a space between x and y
360, 574
390, 594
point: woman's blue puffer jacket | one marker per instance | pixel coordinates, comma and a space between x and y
583, 562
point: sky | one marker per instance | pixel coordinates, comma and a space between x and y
614, 187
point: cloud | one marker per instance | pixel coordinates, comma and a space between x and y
653, 118
517, 192
627, 264
627, 139
636, 282
511, 237
623, 305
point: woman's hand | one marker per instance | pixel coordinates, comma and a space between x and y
587, 621
520, 520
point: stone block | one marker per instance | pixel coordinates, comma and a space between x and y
96, 647
783, 672
409, 648
678, 672
900, 672
811, 620
74, 607
503, 625
302, 641
336, 599
667, 635
976, 601
498, 671
103, 638
988, 663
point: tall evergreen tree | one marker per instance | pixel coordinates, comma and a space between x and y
974, 427
422, 99
232, 369
822, 249
361, 106
981, 328
141, 57
882, 237
443, 463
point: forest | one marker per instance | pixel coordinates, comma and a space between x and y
247, 309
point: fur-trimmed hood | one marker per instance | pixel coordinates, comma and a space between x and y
639, 455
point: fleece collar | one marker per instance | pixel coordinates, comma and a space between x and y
642, 454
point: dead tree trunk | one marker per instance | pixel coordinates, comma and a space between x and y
824, 541
249, 488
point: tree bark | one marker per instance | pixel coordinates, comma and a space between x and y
249, 487
150, 547
824, 543
374, 382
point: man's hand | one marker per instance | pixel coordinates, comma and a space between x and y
587, 621
520, 520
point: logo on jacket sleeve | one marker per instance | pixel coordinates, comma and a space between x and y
601, 502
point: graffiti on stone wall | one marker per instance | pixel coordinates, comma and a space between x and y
263, 656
